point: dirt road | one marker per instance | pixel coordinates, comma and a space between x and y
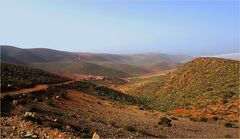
32, 89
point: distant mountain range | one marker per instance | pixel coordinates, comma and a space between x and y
119, 65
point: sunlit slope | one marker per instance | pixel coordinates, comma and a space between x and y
146, 88
199, 82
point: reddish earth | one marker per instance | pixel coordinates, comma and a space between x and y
228, 111
109, 117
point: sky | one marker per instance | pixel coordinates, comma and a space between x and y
192, 27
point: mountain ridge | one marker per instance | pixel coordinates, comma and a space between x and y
128, 64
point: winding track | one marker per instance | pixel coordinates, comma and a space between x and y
32, 89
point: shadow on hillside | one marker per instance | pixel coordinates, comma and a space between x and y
93, 89
6, 105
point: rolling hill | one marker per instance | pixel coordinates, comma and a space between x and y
80, 67
139, 60
14, 77
27, 56
210, 79
198, 83
100, 63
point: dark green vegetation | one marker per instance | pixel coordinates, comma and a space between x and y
164, 121
112, 65
93, 89
230, 125
15, 77
129, 128
81, 67
145, 88
228, 136
198, 83
201, 119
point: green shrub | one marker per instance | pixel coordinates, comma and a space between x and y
57, 125
228, 136
113, 124
165, 122
230, 125
174, 118
227, 95
62, 94
215, 118
129, 128
48, 102
32, 109
193, 119
86, 133
203, 119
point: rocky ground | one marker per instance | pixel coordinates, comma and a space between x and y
228, 111
15, 127
80, 115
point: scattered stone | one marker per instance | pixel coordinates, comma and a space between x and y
57, 97
11, 135
131, 136
68, 128
96, 136
35, 100
31, 114
15, 102
34, 136
28, 135
55, 120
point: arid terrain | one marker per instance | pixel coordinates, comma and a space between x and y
120, 69
198, 99
87, 114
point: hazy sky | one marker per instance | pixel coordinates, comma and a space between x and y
122, 26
